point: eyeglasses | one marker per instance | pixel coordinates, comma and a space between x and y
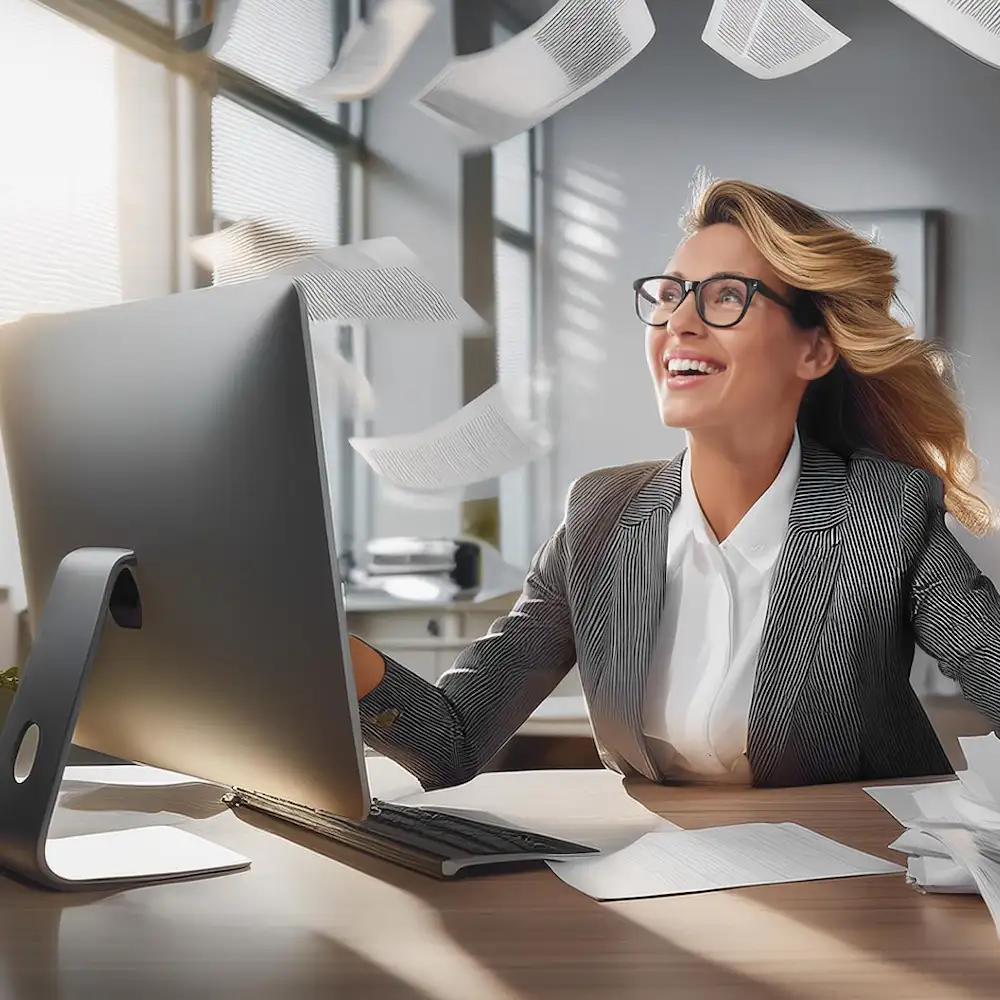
722, 300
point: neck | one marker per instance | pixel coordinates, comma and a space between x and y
731, 472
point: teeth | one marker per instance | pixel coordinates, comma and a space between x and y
687, 365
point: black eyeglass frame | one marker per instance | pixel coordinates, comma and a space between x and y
752, 285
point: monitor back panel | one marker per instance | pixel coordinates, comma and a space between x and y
187, 429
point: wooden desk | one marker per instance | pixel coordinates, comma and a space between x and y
313, 920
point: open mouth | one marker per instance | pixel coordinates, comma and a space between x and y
685, 371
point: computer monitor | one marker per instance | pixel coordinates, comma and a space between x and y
187, 431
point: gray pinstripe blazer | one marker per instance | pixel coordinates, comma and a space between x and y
868, 567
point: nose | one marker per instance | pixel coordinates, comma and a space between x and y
684, 320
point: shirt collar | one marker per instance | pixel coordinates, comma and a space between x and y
759, 536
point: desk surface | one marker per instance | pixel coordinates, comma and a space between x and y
312, 919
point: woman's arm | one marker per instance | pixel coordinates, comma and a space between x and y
954, 608
445, 734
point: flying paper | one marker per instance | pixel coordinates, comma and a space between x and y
250, 249
205, 24
770, 38
482, 440
371, 53
490, 96
379, 280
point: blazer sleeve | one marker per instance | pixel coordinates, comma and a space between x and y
954, 608
445, 733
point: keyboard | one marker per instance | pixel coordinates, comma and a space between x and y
436, 842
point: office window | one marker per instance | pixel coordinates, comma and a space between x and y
58, 166
514, 274
261, 169
284, 45
59, 209
513, 182
98, 181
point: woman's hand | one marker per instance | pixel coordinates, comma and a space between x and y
369, 667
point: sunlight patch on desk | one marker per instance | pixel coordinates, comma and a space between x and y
307, 896
768, 946
427, 958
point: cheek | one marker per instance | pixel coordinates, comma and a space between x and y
655, 346
762, 364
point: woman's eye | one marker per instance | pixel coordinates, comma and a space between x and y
730, 295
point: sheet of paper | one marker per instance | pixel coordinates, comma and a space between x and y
251, 249
371, 52
379, 280
971, 25
898, 801
947, 803
933, 873
209, 29
482, 440
224, 17
978, 853
770, 38
916, 843
974, 787
490, 96
982, 755
724, 857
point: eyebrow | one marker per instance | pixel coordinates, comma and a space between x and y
714, 274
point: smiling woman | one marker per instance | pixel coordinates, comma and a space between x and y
804, 317
747, 611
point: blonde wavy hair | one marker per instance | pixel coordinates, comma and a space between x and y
887, 392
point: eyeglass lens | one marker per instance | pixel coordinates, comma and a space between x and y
720, 301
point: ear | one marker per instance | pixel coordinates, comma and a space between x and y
820, 355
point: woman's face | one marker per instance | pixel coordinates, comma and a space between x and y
760, 367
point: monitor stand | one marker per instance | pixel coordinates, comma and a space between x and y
89, 586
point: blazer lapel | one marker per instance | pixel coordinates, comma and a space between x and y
800, 596
634, 577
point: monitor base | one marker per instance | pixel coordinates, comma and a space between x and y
90, 586
141, 855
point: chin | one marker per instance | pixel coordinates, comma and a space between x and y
681, 417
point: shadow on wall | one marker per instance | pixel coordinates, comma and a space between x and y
587, 204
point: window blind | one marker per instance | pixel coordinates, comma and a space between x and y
285, 45
59, 233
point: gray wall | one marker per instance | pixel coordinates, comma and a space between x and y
899, 118
419, 188
414, 192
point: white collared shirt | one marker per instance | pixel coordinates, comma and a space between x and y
696, 707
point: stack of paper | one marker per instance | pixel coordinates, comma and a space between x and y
952, 828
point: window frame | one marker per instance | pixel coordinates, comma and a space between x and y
527, 489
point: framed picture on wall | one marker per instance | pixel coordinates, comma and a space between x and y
913, 236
